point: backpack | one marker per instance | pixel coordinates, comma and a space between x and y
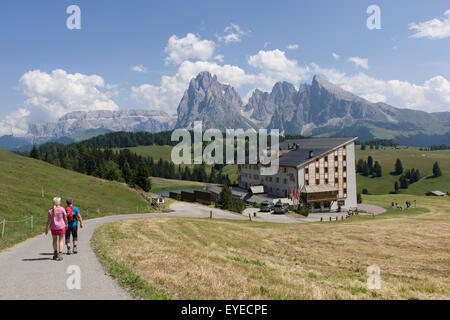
70, 215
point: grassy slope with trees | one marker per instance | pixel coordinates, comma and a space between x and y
410, 158
23, 179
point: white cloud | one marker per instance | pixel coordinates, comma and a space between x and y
360, 62
234, 33
336, 56
189, 47
431, 96
292, 47
139, 69
432, 29
52, 95
15, 123
219, 57
60, 92
275, 66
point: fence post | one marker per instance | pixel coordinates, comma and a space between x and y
210, 214
32, 223
3, 227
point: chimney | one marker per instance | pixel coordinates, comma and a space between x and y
311, 154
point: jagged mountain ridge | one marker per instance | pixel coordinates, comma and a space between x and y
320, 108
217, 105
123, 120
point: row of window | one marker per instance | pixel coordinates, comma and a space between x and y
336, 181
336, 169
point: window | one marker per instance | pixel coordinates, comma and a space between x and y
336, 180
345, 180
307, 182
336, 169
317, 170
336, 158
278, 180
285, 181
317, 181
306, 170
345, 158
326, 170
326, 181
284, 170
345, 191
345, 168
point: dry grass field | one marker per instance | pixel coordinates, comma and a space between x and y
203, 259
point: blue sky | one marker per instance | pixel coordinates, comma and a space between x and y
48, 70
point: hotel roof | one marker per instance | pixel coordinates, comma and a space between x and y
300, 154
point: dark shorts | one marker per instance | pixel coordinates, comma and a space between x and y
71, 231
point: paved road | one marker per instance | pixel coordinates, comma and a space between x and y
27, 271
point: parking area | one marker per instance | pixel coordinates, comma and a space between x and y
312, 217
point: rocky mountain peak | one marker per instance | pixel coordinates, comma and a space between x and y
217, 105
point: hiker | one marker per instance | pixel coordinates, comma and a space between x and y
57, 221
73, 216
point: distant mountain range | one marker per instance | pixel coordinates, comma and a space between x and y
320, 109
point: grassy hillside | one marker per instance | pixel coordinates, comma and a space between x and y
173, 258
23, 179
410, 158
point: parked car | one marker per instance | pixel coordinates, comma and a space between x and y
267, 206
280, 208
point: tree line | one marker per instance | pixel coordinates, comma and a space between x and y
123, 165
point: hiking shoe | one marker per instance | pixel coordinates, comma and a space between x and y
68, 251
75, 250
55, 255
59, 257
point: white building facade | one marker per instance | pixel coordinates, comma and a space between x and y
323, 166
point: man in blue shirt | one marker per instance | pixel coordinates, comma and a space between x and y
73, 216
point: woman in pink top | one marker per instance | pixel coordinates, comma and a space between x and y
57, 220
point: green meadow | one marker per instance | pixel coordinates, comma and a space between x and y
410, 158
27, 187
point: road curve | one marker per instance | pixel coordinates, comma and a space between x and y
28, 273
